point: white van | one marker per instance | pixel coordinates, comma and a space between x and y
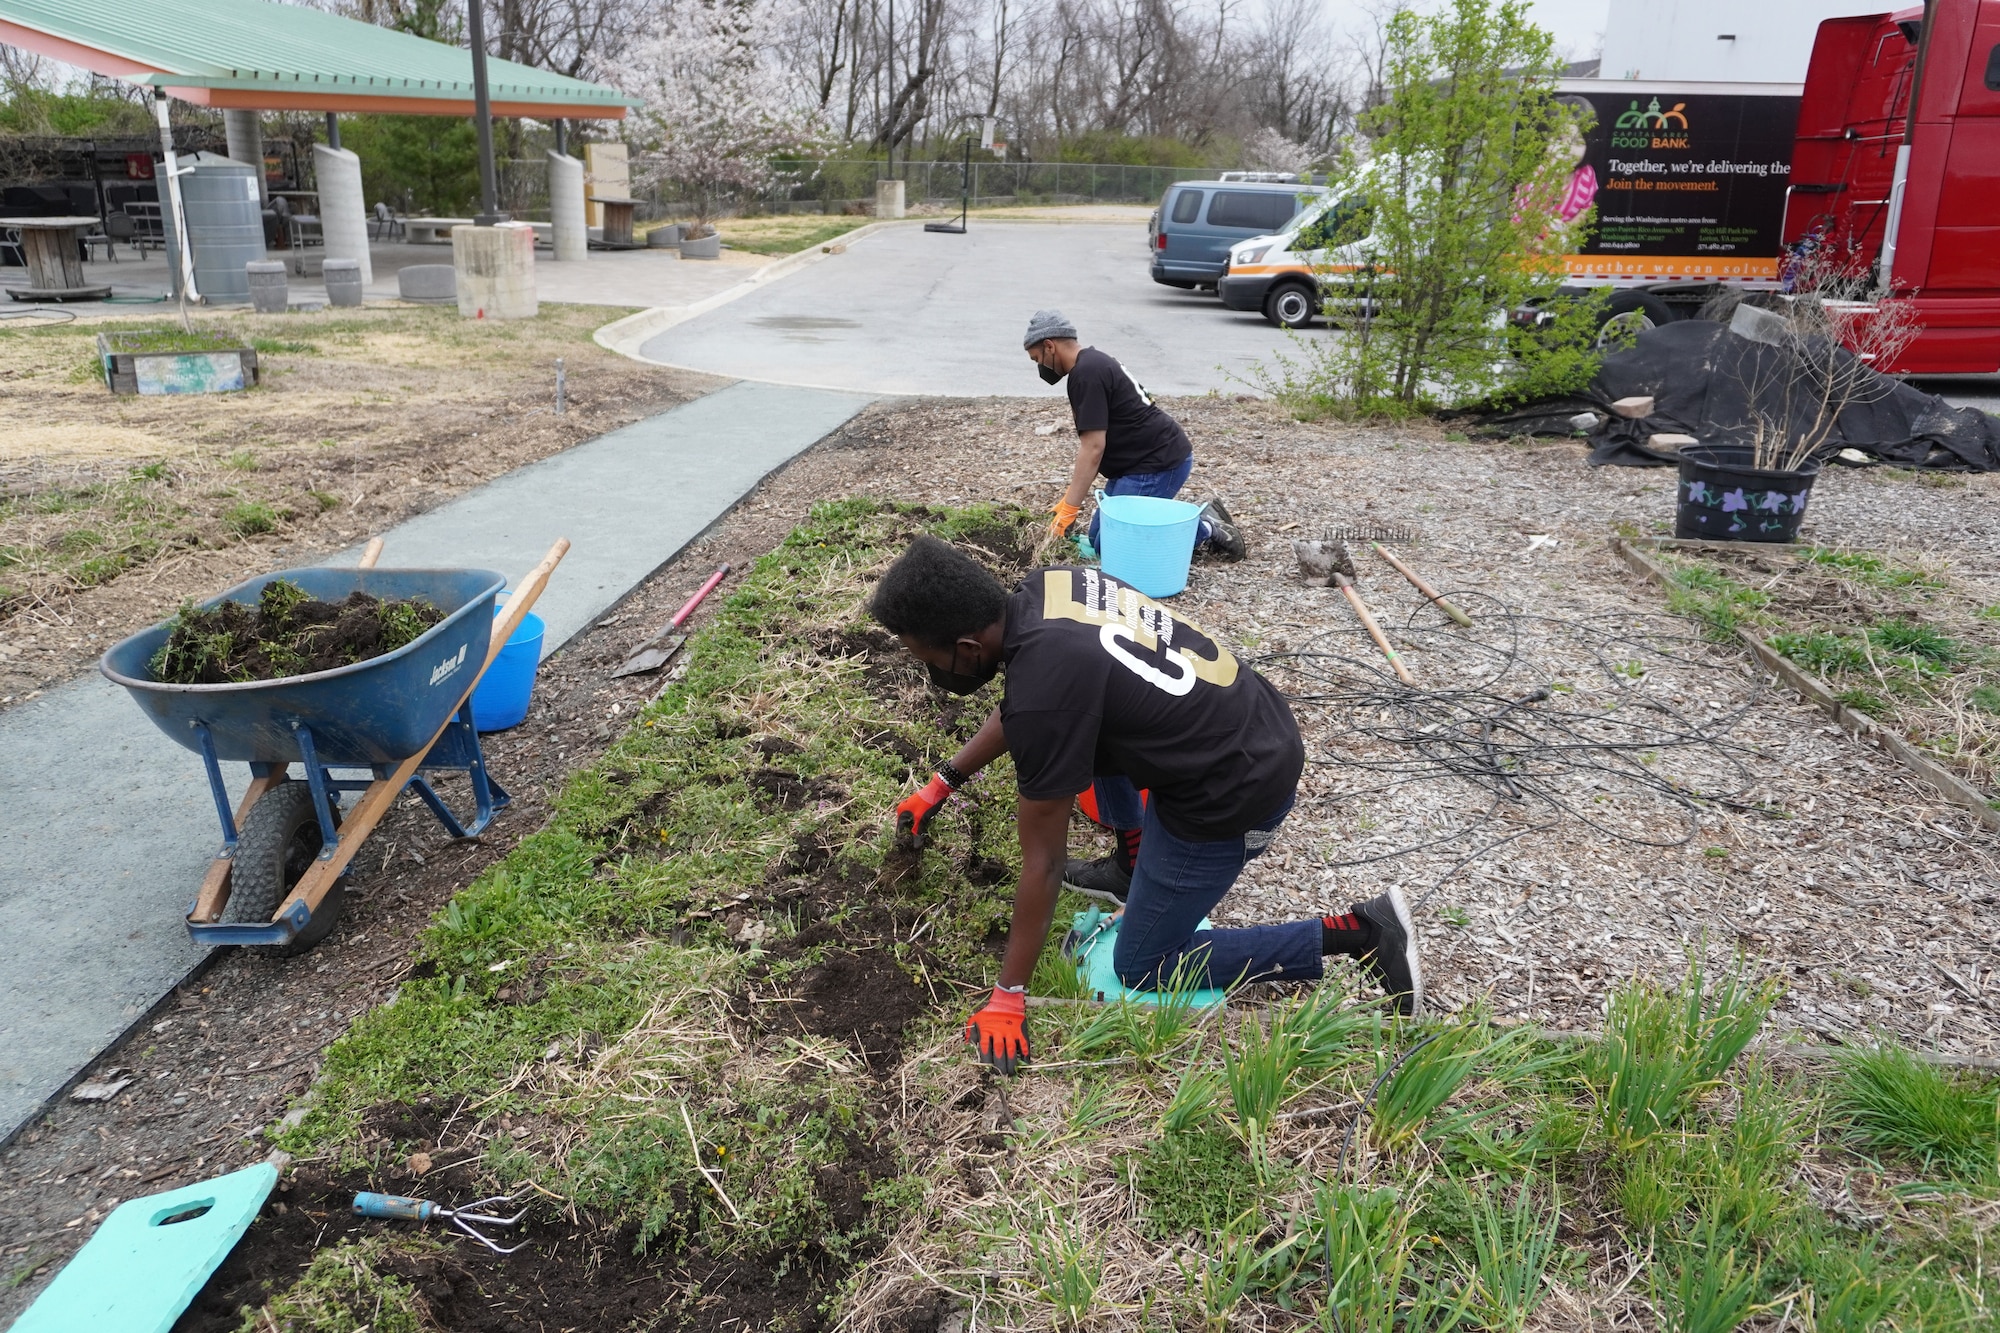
1281, 274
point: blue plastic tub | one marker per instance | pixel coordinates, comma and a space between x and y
507, 688
1147, 542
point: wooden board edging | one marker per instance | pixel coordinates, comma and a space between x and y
1814, 690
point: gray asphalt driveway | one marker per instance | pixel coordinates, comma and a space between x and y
906, 311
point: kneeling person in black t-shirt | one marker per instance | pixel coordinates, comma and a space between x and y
1103, 683
1119, 432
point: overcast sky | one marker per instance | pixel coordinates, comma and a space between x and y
1577, 24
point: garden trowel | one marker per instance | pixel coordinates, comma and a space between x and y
660, 649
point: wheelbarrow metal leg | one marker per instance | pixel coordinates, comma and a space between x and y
213, 895
318, 779
216, 787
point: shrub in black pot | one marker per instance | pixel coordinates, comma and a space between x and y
1725, 496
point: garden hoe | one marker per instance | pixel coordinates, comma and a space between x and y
1417, 582
657, 651
1338, 567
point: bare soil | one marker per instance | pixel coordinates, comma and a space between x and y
1872, 899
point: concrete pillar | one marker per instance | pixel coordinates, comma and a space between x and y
566, 208
343, 215
888, 199
244, 131
496, 271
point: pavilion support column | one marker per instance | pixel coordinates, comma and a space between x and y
566, 210
245, 132
343, 214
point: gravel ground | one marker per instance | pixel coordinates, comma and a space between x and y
1873, 900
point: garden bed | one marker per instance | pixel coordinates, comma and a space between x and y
172, 361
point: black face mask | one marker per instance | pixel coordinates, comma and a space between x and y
959, 682
1049, 374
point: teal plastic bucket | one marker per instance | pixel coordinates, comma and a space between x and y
504, 692
1147, 542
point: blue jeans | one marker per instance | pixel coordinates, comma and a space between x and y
1161, 486
1175, 884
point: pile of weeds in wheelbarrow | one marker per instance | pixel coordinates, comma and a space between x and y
675, 1017
285, 633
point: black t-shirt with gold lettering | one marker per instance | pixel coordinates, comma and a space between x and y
1103, 680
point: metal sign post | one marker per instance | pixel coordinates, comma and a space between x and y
482, 117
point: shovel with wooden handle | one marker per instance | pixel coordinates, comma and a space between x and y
658, 651
1342, 573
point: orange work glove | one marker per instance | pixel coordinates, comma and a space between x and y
913, 813
1065, 518
999, 1032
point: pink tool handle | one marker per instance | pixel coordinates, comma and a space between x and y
695, 600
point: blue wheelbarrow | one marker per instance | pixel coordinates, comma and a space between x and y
279, 877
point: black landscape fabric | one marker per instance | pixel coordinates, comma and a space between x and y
1704, 381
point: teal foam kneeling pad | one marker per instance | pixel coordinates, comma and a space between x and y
1097, 937
150, 1257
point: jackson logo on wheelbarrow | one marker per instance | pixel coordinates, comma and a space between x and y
279, 876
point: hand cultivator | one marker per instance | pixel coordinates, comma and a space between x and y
394, 1206
287, 846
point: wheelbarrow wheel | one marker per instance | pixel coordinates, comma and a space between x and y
277, 845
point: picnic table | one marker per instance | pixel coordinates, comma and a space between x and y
55, 268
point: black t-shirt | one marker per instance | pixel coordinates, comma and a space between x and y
1138, 437
1102, 680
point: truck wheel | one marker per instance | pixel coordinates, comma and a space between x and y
1290, 306
1629, 314
275, 847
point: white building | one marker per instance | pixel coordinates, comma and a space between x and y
1719, 41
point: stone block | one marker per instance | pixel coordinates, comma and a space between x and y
496, 271
427, 282
1633, 408
888, 199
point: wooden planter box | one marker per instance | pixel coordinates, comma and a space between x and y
223, 369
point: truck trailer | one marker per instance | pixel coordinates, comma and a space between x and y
1887, 157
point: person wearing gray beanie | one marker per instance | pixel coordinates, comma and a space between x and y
1120, 433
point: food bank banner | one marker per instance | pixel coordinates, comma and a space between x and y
1685, 185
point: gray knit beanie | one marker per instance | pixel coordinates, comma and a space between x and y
1047, 324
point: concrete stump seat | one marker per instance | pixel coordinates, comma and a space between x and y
343, 281
427, 282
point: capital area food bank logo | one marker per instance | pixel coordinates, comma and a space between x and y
1653, 127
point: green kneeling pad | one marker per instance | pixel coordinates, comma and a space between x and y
1091, 942
150, 1257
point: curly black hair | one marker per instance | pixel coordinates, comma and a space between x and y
937, 594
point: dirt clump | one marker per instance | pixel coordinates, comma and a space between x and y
285, 632
861, 997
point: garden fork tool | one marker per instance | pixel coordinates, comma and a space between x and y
394, 1206
1341, 570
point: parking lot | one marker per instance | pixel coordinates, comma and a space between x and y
905, 311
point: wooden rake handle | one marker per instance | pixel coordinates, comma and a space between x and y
1375, 633
1417, 582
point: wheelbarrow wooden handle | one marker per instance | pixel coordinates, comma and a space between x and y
1375, 633
372, 553
522, 599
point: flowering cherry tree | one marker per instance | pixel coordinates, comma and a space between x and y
717, 110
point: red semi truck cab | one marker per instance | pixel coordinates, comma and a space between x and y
1911, 196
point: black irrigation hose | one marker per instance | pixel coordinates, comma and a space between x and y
1500, 733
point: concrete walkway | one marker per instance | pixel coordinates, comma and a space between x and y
109, 825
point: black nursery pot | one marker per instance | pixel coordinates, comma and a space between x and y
1723, 498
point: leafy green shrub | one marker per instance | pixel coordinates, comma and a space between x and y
1194, 1182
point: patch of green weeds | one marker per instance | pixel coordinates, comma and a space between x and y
1923, 648
1986, 698
1866, 702
1512, 1243
1662, 1047
1885, 1100
1864, 567
325, 500
268, 346
250, 518
1065, 1265
243, 460
1821, 652
344, 1291
1195, 1181
1258, 1067
1721, 604
1705, 1284
1362, 1240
